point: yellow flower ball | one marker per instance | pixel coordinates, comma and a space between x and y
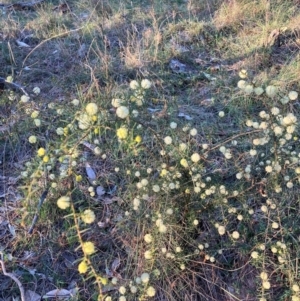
241, 84
248, 89
25, 98
271, 91
122, 290
266, 285
145, 277
264, 276
289, 119
293, 95
41, 152
84, 121
148, 238
195, 157
36, 90
243, 73
116, 102
221, 230
122, 112
91, 109
82, 267
46, 159
75, 102
138, 139
32, 139
35, 114
63, 202
168, 140
156, 188
146, 84
88, 216
162, 228
148, 255
37, 122
184, 163
103, 280
163, 172
78, 178
150, 291
88, 248
134, 85
122, 133
66, 131
60, 131
235, 235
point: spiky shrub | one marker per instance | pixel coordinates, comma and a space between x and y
189, 210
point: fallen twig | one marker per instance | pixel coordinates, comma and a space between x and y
14, 278
12, 85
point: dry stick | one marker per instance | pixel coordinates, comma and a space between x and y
236, 136
56, 36
12, 85
14, 278
49, 39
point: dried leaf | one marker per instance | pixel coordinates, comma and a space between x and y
32, 296
22, 44
109, 200
100, 191
88, 145
60, 293
90, 172
186, 117
207, 101
115, 264
177, 67
108, 272
208, 76
101, 224
153, 110
12, 230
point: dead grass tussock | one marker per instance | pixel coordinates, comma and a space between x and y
293, 24
233, 14
289, 75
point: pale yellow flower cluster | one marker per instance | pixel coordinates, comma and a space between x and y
88, 216
139, 90
122, 133
63, 202
226, 152
122, 112
88, 248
